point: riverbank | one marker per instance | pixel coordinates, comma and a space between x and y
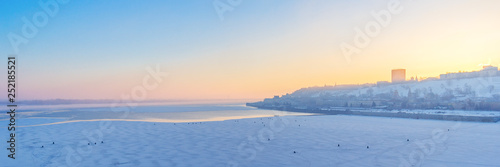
415, 114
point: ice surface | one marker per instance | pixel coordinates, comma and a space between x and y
268, 141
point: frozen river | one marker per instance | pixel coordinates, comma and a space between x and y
235, 135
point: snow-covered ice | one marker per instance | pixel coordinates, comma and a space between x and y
290, 140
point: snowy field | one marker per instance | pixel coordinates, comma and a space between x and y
259, 139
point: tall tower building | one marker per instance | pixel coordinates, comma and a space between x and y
398, 75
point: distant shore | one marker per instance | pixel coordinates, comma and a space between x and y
367, 112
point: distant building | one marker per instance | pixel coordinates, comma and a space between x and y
383, 83
431, 78
487, 71
398, 75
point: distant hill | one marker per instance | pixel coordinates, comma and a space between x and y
470, 93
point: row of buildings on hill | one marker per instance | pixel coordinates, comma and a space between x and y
399, 75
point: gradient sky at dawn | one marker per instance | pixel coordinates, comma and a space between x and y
99, 49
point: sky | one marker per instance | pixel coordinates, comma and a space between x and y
261, 48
